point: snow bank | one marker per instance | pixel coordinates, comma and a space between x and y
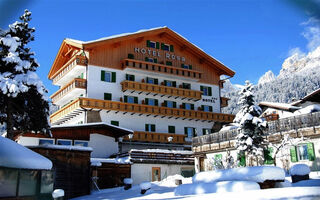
127, 181
299, 169
307, 183
257, 174
145, 185
283, 184
215, 187
170, 180
308, 109
14, 155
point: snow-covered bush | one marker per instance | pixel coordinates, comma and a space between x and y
127, 181
300, 169
144, 186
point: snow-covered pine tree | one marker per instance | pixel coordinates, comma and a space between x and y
23, 103
250, 139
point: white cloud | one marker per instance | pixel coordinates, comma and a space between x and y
312, 33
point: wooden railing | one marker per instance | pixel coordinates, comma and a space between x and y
224, 102
160, 89
273, 131
75, 83
156, 137
161, 68
142, 109
76, 60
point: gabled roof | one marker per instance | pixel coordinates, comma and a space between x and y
279, 106
144, 33
313, 96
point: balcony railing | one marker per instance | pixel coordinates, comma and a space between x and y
274, 130
76, 60
87, 103
224, 102
76, 83
160, 89
161, 68
140, 136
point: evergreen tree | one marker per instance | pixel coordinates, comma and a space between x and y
250, 139
23, 104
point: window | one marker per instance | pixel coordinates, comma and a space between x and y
153, 44
169, 63
28, 182
186, 86
46, 141
46, 182
170, 83
130, 77
9, 181
64, 142
171, 129
115, 123
206, 131
167, 47
150, 127
151, 102
206, 108
170, 104
108, 76
302, 152
153, 60
206, 91
130, 99
130, 56
187, 172
186, 66
152, 80
107, 96
81, 143
188, 106
190, 132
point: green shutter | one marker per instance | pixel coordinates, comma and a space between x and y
107, 96
162, 46
210, 108
153, 128
130, 56
192, 106
186, 131
172, 129
147, 101
157, 45
171, 48
113, 78
201, 88
125, 99
183, 105
169, 63
218, 156
194, 132
134, 77
146, 127
156, 81
311, 155
165, 82
148, 43
182, 65
156, 102
146, 59
155, 60
174, 104
242, 160
103, 75
81, 75
190, 66
209, 91
127, 77
293, 154
174, 84
268, 159
135, 99
115, 123
204, 131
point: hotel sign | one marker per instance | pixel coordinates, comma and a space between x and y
156, 53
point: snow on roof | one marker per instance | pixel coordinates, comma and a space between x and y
91, 124
114, 36
257, 174
62, 147
162, 151
308, 109
96, 161
14, 155
282, 106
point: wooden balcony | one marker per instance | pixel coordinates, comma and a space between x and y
71, 64
161, 68
139, 136
224, 102
97, 104
162, 90
75, 83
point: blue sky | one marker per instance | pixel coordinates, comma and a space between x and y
250, 37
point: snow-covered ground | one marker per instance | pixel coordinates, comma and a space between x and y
166, 190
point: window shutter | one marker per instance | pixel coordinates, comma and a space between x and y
310, 151
190, 66
148, 43
242, 160
268, 159
210, 108
162, 46
155, 60
165, 82
293, 154
146, 127
183, 105
135, 99
127, 77
125, 99
147, 101
192, 106
218, 156
209, 91
147, 79
174, 84
156, 81
153, 128
169, 63
157, 45
113, 79
182, 65
202, 107
156, 102
133, 77
81, 75
146, 59
130, 56
186, 131
165, 103
103, 75
204, 132
115, 123
201, 88
172, 129
194, 132
174, 104
171, 48
107, 96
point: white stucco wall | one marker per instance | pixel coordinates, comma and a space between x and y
143, 172
28, 141
103, 146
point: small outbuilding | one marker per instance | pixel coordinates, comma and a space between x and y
23, 172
